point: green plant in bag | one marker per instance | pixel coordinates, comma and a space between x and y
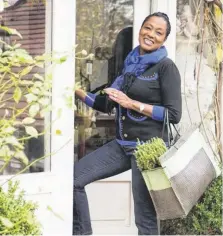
147, 153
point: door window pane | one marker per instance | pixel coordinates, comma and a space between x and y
28, 18
104, 28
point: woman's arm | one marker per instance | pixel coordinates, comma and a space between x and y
170, 86
81, 94
170, 83
99, 102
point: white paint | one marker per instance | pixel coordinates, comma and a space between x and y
112, 213
1, 5
63, 28
141, 11
168, 7
111, 205
63, 31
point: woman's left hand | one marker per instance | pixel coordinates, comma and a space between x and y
119, 97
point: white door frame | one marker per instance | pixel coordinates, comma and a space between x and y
63, 40
142, 9
169, 7
54, 187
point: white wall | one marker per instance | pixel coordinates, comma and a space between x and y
187, 60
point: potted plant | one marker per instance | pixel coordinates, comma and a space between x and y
148, 155
147, 158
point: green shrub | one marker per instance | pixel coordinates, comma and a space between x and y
205, 218
147, 154
16, 214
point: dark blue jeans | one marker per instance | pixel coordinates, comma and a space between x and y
107, 161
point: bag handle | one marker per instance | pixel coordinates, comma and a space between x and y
166, 123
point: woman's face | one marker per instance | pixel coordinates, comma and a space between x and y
152, 35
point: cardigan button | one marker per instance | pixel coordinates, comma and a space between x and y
123, 118
125, 135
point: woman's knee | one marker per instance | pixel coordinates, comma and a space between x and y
77, 184
78, 179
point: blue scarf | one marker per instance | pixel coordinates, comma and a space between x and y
137, 64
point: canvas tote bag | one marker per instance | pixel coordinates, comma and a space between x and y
188, 167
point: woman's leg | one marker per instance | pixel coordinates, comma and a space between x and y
109, 160
145, 215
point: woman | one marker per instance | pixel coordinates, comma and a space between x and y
150, 82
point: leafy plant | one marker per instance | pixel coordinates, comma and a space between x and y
17, 214
25, 96
147, 153
204, 219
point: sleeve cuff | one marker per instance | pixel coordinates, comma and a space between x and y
90, 99
158, 113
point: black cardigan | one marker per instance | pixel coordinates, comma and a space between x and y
159, 85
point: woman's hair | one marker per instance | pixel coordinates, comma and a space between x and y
162, 15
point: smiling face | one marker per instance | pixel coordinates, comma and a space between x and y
152, 34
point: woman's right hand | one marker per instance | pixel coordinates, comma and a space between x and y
77, 86
79, 92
